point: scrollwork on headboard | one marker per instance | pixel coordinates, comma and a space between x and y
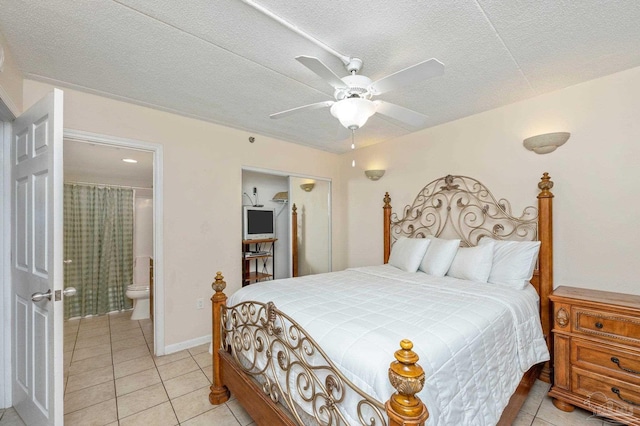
465, 207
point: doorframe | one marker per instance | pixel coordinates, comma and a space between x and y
158, 241
7, 115
5, 263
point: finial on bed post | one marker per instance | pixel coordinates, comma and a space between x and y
404, 408
545, 185
387, 226
545, 262
219, 392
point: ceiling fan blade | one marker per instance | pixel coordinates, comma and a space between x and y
291, 111
399, 113
413, 74
315, 65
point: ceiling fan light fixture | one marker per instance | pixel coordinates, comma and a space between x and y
353, 113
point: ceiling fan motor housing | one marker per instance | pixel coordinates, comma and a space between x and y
358, 86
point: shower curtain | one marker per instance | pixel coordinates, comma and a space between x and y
98, 248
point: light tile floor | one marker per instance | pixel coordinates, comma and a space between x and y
112, 378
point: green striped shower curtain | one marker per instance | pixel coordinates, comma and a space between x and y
98, 248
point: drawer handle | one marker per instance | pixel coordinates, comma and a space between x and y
599, 325
616, 361
617, 392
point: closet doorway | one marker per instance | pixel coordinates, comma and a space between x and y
112, 210
312, 197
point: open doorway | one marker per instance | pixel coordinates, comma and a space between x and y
280, 191
122, 277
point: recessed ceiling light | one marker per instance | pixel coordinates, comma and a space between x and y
129, 160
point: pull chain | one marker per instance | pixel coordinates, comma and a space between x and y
353, 145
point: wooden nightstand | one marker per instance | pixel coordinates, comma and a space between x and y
596, 344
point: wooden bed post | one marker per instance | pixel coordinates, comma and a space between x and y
404, 408
387, 226
219, 392
545, 229
294, 241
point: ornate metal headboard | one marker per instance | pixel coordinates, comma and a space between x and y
462, 207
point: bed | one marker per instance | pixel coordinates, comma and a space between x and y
316, 349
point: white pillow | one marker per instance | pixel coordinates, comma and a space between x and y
407, 253
513, 262
439, 256
472, 263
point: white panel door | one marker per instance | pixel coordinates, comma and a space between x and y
37, 273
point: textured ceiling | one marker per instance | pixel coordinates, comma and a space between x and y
224, 62
101, 164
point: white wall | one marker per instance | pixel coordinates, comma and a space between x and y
596, 175
267, 185
143, 237
202, 180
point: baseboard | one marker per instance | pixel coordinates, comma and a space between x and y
187, 344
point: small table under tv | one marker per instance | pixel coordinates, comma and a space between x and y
258, 260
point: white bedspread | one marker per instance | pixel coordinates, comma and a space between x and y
474, 340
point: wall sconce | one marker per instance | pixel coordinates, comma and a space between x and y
281, 197
307, 187
374, 174
546, 143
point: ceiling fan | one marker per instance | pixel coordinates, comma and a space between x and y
353, 104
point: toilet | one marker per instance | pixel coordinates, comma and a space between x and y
140, 296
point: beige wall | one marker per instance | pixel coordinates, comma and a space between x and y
596, 232
202, 193
10, 81
596, 174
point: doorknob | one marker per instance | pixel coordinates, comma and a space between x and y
37, 297
69, 291
67, 261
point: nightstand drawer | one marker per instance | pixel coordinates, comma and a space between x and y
607, 324
607, 360
602, 388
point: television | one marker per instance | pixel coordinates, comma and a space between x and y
258, 223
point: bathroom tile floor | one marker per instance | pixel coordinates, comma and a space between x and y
112, 378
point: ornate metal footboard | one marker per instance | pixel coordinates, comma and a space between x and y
293, 371
291, 368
